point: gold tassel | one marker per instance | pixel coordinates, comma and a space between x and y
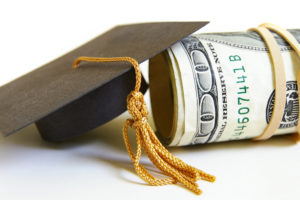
176, 169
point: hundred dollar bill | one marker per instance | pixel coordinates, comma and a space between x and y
222, 87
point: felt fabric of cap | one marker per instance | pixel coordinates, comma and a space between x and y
64, 102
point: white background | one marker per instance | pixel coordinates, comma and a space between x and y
96, 166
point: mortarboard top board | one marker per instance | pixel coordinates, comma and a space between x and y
64, 102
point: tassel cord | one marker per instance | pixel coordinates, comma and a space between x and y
176, 169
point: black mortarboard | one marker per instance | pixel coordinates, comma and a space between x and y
64, 102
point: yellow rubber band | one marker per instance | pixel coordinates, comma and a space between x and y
279, 81
289, 38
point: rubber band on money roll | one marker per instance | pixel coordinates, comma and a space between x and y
279, 74
176, 169
291, 40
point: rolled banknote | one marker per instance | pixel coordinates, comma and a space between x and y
219, 86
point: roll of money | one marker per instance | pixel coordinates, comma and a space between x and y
217, 87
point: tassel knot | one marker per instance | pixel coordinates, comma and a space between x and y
136, 106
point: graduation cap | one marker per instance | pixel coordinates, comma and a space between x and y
65, 103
